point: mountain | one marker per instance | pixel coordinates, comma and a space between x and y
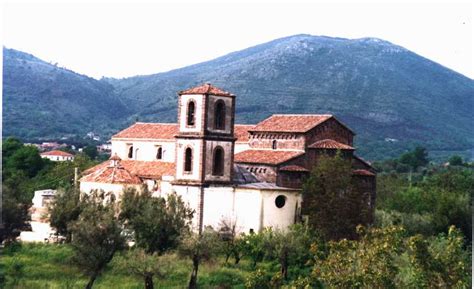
41, 100
391, 97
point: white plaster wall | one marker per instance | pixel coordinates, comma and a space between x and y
116, 189
58, 158
181, 145
190, 196
283, 217
147, 149
240, 147
38, 197
218, 205
198, 100
247, 209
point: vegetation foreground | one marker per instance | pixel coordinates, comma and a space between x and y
421, 236
381, 258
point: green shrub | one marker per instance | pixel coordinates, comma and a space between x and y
224, 278
413, 223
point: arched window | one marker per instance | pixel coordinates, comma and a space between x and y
218, 162
191, 113
159, 153
274, 144
130, 152
219, 115
188, 158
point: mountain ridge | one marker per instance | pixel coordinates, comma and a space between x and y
381, 90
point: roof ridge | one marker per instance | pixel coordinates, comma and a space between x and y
164, 123
301, 114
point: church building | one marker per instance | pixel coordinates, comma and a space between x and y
248, 174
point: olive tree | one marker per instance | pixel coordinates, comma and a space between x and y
96, 235
199, 248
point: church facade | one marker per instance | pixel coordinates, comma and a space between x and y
248, 174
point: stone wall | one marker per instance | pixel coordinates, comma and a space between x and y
330, 129
282, 141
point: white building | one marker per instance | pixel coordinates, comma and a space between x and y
195, 158
57, 156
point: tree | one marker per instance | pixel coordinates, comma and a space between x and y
233, 244
290, 248
26, 159
254, 247
65, 209
332, 200
97, 234
15, 214
369, 262
442, 264
199, 248
456, 161
145, 265
157, 223
91, 151
416, 158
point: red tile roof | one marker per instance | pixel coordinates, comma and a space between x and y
167, 131
155, 169
270, 157
363, 173
291, 122
241, 132
330, 144
163, 131
112, 175
57, 153
293, 168
206, 88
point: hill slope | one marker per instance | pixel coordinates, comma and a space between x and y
43, 100
379, 89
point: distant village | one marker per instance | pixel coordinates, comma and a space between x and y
49, 149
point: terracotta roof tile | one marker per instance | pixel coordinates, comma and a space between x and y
291, 122
57, 153
270, 157
206, 88
362, 173
115, 157
165, 131
112, 175
241, 132
330, 144
293, 168
155, 169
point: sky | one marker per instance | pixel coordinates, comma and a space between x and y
122, 39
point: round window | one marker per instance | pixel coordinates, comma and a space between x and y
280, 201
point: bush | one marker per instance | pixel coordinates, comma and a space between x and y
224, 278
413, 223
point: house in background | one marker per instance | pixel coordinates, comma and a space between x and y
249, 174
41, 231
57, 156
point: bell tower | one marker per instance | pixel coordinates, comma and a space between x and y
205, 141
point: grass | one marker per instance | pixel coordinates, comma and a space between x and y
48, 266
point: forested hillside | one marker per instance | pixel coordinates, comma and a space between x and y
394, 99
